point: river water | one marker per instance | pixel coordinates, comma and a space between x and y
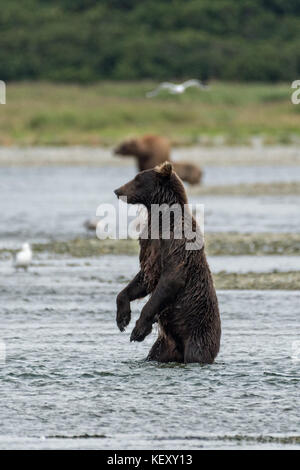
70, 379
47, 203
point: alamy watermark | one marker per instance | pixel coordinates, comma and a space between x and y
2, 92
295, 98
161, 222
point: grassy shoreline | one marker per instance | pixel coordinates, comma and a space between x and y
41, 113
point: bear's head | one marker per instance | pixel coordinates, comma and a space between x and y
127, 148
160, 185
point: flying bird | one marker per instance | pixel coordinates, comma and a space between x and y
177, 89
23, 257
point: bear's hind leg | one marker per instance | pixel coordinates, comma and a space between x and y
164, 350
195, 352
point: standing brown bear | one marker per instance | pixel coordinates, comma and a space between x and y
183, 298
152, 150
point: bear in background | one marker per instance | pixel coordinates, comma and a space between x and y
183, 298
152, 150
188, 172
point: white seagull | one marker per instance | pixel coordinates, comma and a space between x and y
23, 258
177, 89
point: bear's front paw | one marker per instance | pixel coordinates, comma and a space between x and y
123, 319
141, 330
123, 315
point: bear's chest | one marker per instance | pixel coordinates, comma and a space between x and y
150, 261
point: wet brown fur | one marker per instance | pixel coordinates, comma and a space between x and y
183, 298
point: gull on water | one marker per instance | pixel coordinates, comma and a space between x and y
23, 257
177, 89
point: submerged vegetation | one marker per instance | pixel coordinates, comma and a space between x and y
231, 244
256, 189
258, 281
217, 244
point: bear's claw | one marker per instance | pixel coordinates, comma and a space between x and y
123, 321
140, 331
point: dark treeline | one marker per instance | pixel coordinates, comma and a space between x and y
88, 40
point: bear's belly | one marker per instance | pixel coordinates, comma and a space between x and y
151, 265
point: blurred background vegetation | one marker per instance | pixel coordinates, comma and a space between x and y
105, 55
89, 40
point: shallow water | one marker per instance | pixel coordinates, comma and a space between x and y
129, 264
279, 214
254, 264
42, 203
226, 175
72, 380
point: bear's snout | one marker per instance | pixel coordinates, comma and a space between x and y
118, 192
126, 193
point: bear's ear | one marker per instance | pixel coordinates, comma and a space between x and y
165, 169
